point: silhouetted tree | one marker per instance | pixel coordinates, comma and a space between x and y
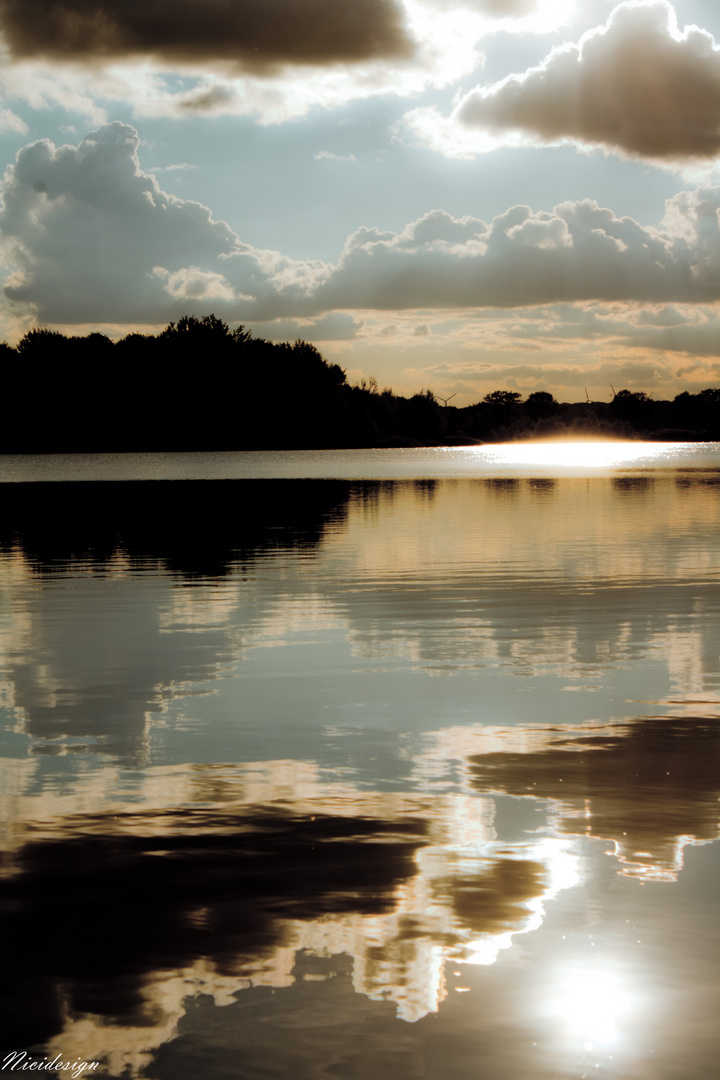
497, 414
200, 385
503, 399
424, 421
634, 407
209, 329
699, 412
40, 343
540, 404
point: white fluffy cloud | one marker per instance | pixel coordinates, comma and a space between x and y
89, 237
578, 251
92, 238
637, 86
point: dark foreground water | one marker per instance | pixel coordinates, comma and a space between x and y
365, 778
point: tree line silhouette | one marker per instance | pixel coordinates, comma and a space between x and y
198, 385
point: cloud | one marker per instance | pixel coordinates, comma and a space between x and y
180, 167
214, 88
584, 774
207, 98
502, 9
95, 239
191, 283
254, 35
525, 16
337, 326
700, 339
639, 373
668, 327
44, 86
327, 155
578, 251
9, 121
270, 59
635, 86
695, 331
91, 238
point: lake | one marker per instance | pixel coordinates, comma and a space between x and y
368, 764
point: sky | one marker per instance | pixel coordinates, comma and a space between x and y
460, 195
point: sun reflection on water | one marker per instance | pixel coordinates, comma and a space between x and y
582, 454
594, 1007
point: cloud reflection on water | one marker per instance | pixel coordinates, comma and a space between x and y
139, 602
650, 785
408, 649
103, 912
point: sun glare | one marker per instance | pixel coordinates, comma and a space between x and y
579, 454
592, 1007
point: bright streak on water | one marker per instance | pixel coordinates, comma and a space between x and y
585, 454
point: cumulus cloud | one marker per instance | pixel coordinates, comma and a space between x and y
89, 237
578, 251
191, 283
93, 238
256, 35
636, 85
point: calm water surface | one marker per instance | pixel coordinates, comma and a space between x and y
377, 764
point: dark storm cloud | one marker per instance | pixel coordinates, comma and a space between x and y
257, 35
